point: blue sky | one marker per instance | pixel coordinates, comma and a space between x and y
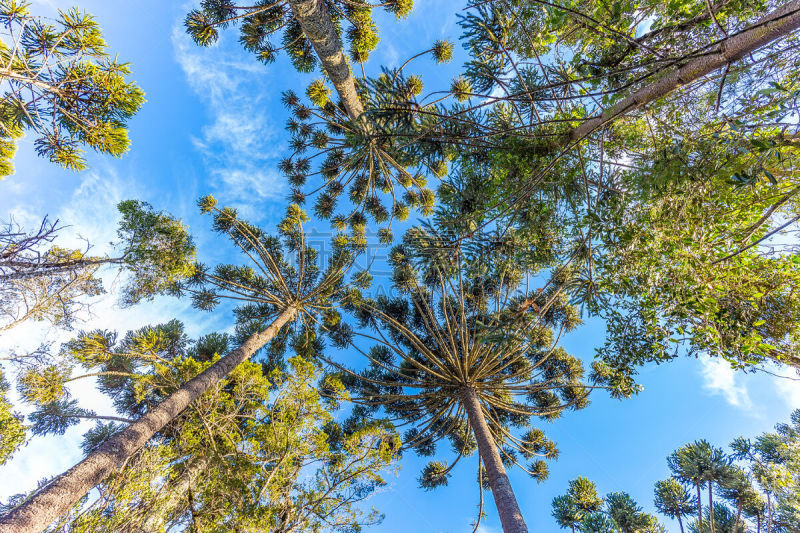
213, 123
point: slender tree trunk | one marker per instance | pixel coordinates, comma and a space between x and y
314, 18
710, 507
504, 499
738, 516
771, 27
680, 523
769, 513
57, 497
699, 509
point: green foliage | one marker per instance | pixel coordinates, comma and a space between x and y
757, 488
434, 474
266, 438
699, 463
443, 51
12, 429
280, 271
43, 385
158, 250
318, 93
672, 499
263, 22
582, 509
42, 281
724, 522
461, 322
61, 84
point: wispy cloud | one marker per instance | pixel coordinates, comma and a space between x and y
241, 146
90, 215
720, 379
787, 386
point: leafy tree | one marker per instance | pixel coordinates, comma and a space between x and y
697, 464
673, 500
466, 354
520, 116
581, 500
256, 434
311, 33
724, 519
773, 462
43, 281
273, 292
758, 485
12, 429
581, 509
60, 84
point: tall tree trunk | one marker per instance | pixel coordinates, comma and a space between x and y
699, 508
680, 523
710, 506
738, 516
57, 497
314, 18
771, 27
504, 499
769, 513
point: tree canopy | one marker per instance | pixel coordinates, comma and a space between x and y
630, 162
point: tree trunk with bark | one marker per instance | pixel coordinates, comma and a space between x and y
699, 508
771, 27
314, 18
710, 506
504, 499
680, 523
57, 497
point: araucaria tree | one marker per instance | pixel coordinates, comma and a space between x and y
466, 354
311, 33
59, 83
239, 457
698, 112
582, 509
757, 484
272, 292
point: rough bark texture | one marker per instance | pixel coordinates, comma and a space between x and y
773, 26
504, 499
314, 18
711, 506
699, 508
57, 497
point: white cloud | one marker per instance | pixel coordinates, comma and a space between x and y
90, 214
787, 386
720, 379
241, 146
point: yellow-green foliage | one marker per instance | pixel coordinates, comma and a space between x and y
12, 430
318, 93
78, 95
43, 385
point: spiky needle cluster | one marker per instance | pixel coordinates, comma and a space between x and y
58, 82
459, 323
261, 22
283, 271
